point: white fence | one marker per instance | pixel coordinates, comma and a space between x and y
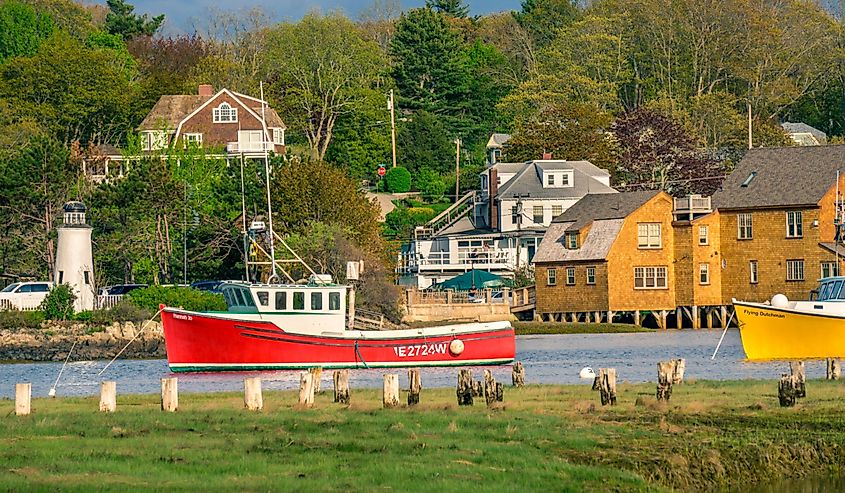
7, 305
103, 302
106, 301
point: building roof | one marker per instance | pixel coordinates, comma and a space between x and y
781, 177
794, 129
596, 207
171, 109
497, 140
508, 167
530, 181
596, 244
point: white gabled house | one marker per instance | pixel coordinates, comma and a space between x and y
499, 227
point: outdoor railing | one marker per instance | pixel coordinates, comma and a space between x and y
106, 301
452, 297
7, 305
460, 259
693, 203
235, 147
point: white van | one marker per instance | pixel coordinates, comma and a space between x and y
24, 295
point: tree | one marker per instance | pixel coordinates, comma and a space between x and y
121, 20
320, 69
361, 137
398, 180
656, 153
427, 63
22, 30
452, 8
543, 18
425, 143
69, 16
571, 131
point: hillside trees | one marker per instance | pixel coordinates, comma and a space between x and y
22, 30
122, 20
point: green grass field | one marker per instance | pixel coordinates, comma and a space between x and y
542, 438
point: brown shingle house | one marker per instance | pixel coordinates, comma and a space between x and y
226, 120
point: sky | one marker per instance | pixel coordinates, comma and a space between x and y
183, 15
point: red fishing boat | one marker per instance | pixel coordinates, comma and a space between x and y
289, 326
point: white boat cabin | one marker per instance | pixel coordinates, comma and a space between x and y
288, 299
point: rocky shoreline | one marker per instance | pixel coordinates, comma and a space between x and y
52, 342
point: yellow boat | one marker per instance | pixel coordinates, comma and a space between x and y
795, 330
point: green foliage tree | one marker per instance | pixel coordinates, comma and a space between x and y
361, 139
402, 220
190, 299
398, 180
430, 184
453, 8
122, 20
69, 16
22, 29
321, 68
58, 305
425, 143
543, 18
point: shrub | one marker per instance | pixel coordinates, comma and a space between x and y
398, 180
125, 311
13, 319
58, 305
430, 184
187, 298
403, 220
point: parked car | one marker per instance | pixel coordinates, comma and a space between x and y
210, 286
24, 295
121, 289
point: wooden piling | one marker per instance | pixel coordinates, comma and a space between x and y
391, 391
665, 372
606, 384
169, 394
306, 389
787, 390
797, 370
108, 396
834, 369
341, 386
414, 386
253, 398
317, 373
465, 387
518, 374
489, 388
678, 373
637, 318
23, 399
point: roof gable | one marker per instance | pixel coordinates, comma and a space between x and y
781, 177
596, 207
230, 94
529, 180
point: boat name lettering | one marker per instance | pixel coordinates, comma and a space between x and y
756, 313
179, 316
420, 350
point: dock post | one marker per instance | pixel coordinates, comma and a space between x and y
492, 391
609, 317
678, 371
605, 383
108, 396
723, 316
834, 370
797, 370
518, 374
414, 386
787, 390
391, 391
637, 318
696, 318
253, 398
169, 394
665, 372
341, 386
23, 399
317, 373
306, 389
465, 387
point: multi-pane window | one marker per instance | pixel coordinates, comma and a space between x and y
538, 214
794, 224
564, 179
572, 240
830, 269
650, 277
752, 268
743, 226
591, 275
794, 270
557, 210
193, 140
703, 235
704, 273
648, 235
225, 114
515, 214
550, 179
551, 277
570, 275
278, 136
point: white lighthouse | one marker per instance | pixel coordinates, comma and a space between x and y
74, 260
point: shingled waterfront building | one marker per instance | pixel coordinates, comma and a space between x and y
679, 262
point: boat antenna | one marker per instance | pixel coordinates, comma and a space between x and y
243, 212
273, 274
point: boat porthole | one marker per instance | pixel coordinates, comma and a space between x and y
456, 347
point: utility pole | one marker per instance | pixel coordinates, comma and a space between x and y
391, 105
457, 169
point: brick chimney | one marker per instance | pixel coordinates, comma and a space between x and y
205, 90
547, 156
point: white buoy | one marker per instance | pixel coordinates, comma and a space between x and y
456, 347
780, 301
587, 372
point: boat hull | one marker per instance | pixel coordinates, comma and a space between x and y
208, 342
770, 333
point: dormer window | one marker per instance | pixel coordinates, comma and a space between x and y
551, 180
572, 240
557, 179
225, 114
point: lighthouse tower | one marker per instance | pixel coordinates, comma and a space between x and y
74, 261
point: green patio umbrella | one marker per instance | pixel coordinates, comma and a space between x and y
464, 282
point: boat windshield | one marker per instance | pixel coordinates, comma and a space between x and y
832, 290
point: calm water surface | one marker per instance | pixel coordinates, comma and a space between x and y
547, 359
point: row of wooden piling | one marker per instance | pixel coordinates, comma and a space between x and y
309, 385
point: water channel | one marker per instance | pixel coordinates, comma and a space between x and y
550, 359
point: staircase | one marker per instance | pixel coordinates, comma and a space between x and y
450, 216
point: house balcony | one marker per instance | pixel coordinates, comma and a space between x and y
250, 147
691, 207
455, 262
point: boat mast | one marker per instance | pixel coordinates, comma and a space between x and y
273, 274
243, 212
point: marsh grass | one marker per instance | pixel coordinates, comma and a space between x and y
531, 328
542, 438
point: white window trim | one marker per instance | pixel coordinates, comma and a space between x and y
648, 236
749, 224
705, 237
542, 214
644, 270
569, 236
231, 112
832, 267
187, 139
551, 277
279, 136
797, 225
704, 274
570, 274
753, 272
589, 269
795, 270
